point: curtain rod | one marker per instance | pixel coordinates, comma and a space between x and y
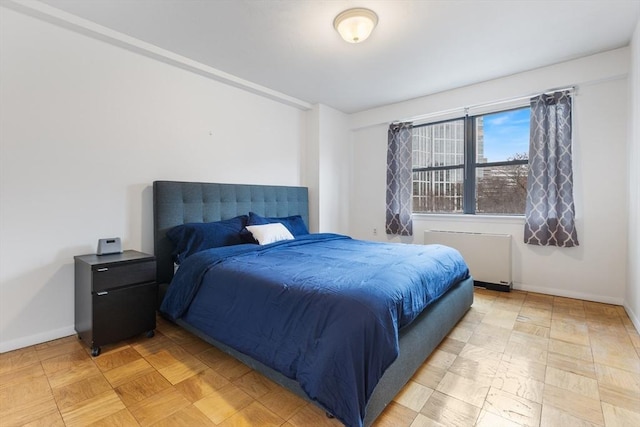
520, 98
571, 89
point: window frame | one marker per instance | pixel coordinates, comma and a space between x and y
470, 164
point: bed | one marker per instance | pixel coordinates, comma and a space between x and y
178, 203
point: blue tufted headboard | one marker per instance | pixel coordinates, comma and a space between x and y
176, 203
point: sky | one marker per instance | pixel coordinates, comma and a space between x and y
505, 134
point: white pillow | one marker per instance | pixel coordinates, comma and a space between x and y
270, 233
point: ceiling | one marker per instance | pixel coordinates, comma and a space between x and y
418, 48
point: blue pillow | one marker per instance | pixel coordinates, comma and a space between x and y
197, 236
295, 224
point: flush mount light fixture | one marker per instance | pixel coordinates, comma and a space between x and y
355, 25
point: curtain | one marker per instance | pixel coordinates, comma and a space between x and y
550, 214
399, 180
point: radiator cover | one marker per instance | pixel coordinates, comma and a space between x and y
488, 255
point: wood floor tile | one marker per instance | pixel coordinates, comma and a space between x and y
619, 397
532, 328
120, 418
535, 316
168, 356
440, 359
470, 391
413, 396
522, 367
585, 386
64, 362
254, 414
423, 421
615, 416
616, 352
571, 364
489, 419
310, 415
552, 416
224, 364
22, 374
600, 310
194, 345
514, 359
51, 419
125, 373
574, 404
76, 372
91, 410
142, 387
186, 417
147, 347
450, 411
528, 348
58, 348
569, 331
429, 376
619, 378
491, 337
518, 385
158, 406
118, 358
576, 351
17, 359
479, 371
432, 371
513, 408
541, 301
283, 402
183, 370
223, 403
479, 354
451, 345
26, 403
255, 384
462, 332
21, 392
74, 393
395, 415
202, 384
501, 318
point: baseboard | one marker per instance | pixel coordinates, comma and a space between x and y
36, 339
633, 316
569, 294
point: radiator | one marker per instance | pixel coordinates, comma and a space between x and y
488, 255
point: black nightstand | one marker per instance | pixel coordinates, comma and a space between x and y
115, 297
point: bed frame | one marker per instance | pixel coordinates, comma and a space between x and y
176, 203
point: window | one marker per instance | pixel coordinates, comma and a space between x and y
477, 164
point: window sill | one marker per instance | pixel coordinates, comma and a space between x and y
502, 219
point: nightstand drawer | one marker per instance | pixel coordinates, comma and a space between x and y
105, 278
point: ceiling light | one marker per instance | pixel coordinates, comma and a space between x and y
355, 25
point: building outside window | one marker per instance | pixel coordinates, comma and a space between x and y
490, 151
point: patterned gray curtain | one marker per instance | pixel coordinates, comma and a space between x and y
550, 215
399, 180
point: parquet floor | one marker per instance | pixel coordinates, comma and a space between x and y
515, 359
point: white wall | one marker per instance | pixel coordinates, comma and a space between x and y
327, 171
632, 299
86, 127
597, 269
334, 169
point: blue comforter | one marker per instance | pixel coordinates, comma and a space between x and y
322, 309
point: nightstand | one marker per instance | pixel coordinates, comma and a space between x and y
115, 297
